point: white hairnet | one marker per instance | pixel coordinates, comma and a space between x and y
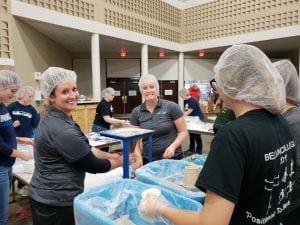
149, 77
52, 76
290, 77
183, 92
108, 91
9, 78
245, 73
195, 85
25, 90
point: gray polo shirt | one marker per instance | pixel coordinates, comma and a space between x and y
59, 142
162, 122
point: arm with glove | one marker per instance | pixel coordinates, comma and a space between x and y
216, 211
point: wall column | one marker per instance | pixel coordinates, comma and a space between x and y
95, 59
180, 74
144, 58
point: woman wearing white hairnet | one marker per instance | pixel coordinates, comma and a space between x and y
292, 115
162, 116
25, 117
249, 172
10, 83
62, 153
104, 113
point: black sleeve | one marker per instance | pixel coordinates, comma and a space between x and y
92, 164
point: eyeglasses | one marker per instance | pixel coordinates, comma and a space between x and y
213, 84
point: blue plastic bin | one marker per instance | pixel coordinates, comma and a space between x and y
105, 204
196, 158
169, 173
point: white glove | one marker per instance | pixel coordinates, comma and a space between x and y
151, 207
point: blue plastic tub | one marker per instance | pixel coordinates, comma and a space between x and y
169, 173
107, 203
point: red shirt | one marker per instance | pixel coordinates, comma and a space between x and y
195, 92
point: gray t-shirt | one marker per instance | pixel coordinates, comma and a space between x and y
59, 142
162, 122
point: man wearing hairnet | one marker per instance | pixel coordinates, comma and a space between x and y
10, 83
249, 173
292, 115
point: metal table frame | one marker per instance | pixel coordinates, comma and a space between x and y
125, 139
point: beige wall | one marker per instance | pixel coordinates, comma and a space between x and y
34, 52
199, 69
82, 67
164, 69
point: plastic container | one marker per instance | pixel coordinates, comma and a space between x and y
196, 158
169, 173
119, 200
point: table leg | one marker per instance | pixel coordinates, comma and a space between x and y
125, 158
150, 147
13, 190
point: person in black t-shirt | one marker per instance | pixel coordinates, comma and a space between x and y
249, 173
104, 112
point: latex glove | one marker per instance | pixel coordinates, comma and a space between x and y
151, 207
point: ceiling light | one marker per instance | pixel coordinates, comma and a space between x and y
123, 52
161, 52
201, 52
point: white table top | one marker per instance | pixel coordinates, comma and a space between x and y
212, 118
126, 132
195, 125
96, 140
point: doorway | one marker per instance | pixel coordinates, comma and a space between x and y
168, 89
127, 95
